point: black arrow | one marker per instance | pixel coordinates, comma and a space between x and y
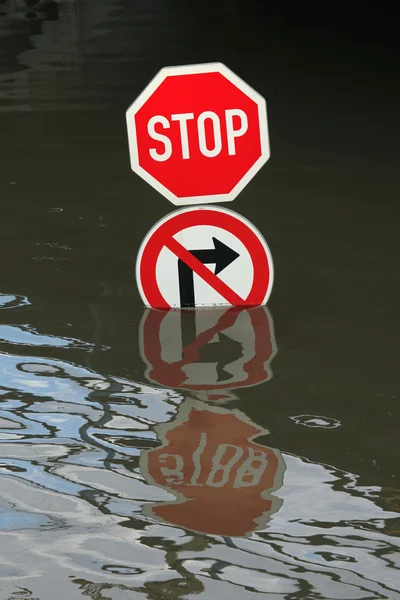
221, 255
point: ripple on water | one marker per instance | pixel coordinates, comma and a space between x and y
25, 335
8, 301
76, 504
316, 421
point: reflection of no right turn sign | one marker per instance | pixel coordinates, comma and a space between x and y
204, 256
203, 350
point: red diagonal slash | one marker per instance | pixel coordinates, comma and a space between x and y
197, 267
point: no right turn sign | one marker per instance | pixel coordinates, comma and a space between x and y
202, 257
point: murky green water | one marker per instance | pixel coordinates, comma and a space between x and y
264, 462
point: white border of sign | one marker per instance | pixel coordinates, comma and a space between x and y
190, 70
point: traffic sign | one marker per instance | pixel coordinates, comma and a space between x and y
205, 350
204, 256
224, 481
198, 133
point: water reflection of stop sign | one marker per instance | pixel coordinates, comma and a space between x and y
198, 133
223, 479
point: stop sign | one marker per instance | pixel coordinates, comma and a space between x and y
198, 133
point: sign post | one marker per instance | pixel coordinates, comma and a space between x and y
198, 134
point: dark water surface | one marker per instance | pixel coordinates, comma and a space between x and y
119, 479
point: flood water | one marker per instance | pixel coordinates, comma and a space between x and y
265, 463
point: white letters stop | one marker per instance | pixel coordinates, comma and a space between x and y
211, 147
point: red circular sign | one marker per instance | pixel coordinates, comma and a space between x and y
162, 236
198, 133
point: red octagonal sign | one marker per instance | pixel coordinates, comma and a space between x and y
198, 134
